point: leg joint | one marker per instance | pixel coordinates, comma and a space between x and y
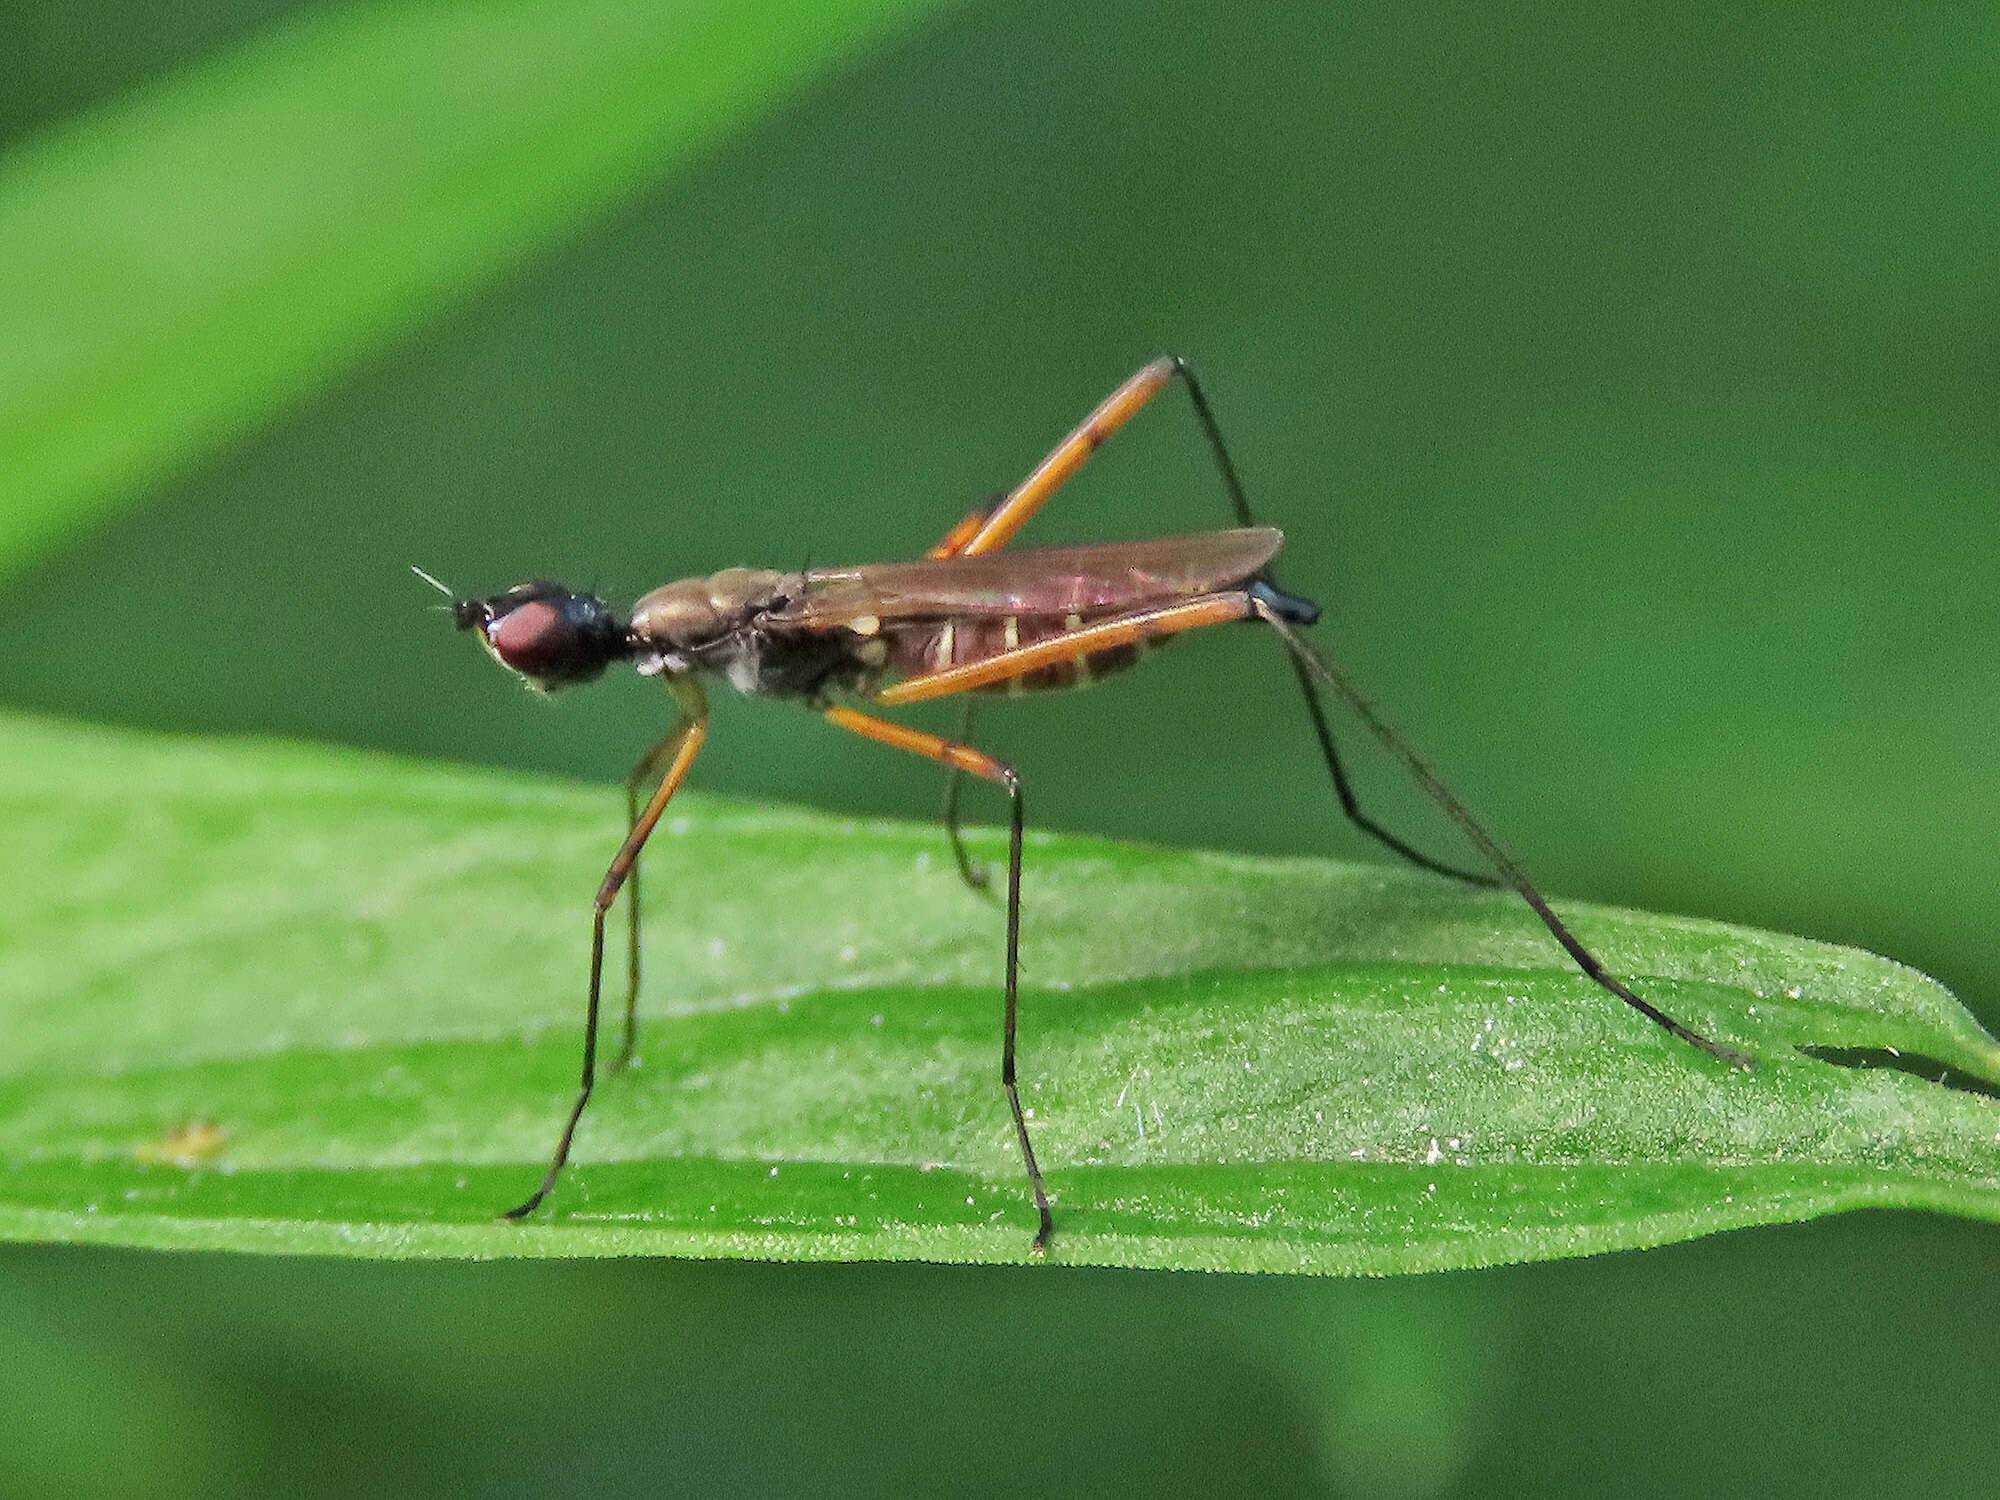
1272, 600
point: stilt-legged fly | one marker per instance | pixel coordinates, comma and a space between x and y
968, 618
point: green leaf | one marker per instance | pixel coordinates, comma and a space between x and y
179, 266
277, 997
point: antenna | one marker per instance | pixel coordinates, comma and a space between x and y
445, 589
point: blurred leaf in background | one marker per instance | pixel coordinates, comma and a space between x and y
181, 264
1624, 380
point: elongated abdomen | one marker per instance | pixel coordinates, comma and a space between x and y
916, 647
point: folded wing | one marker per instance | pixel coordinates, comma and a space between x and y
1107, 577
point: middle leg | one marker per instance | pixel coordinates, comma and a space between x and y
978, 763
971, 871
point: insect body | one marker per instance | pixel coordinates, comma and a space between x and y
969, 618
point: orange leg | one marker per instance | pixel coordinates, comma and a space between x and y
1122, 630
1048, 476
977, 763
678, 750
983, 531
649, 770
990, 530
956, 538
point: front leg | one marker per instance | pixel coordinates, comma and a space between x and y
647, 769
679, 750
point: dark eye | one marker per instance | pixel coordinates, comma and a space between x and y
533, 639
546, 633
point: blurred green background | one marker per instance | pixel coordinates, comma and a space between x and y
1624, 378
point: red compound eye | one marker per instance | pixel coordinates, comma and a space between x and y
548, 634
532, 638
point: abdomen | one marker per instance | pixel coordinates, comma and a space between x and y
917, 647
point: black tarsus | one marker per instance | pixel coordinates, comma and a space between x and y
522, 1210
1306, 659
1296, 610
971, 871
1279, 611
1007, 1077
975, 876
624, 868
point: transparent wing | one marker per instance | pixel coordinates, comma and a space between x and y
1044, 581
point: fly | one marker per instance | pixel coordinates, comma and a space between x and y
968, 618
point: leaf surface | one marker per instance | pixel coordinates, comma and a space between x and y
266, 996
